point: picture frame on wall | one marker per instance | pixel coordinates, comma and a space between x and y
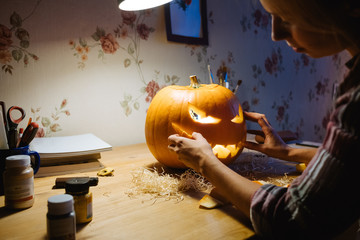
186, 22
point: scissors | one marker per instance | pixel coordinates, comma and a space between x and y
13, 135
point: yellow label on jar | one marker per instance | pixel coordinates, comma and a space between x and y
83, 208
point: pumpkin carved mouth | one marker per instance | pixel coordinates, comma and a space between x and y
220, 151
226, 151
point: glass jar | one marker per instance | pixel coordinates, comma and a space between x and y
79, 189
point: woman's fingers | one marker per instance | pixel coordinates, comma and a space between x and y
255, 117
176, 142
265, 126
197, 135
254, 146
252, 116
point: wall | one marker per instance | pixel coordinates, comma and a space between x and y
83, 66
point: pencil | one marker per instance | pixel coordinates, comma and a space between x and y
30, 120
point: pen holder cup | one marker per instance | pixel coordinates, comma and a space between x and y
4, 153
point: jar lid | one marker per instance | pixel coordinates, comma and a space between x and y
60, 204
77, 186
17, 161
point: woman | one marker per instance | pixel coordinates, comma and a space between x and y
324, 201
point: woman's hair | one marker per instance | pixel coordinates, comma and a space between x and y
340, 17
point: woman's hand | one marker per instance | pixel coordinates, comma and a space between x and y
197, 154
192, 152
273, 145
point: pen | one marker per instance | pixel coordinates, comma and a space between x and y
21, 131
226, 80
29, 134
221, 81
210, 75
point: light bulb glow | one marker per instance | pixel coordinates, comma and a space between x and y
136, 5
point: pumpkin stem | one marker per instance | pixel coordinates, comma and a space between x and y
194, 82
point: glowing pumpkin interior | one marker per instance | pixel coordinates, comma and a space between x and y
211, 110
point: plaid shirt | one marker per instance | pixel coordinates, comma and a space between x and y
325, 200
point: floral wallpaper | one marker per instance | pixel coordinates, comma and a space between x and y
126, 37
15, 42
105, 66
49, 124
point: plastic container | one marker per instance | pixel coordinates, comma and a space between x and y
18, 182
61, 219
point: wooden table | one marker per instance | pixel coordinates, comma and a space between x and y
117, 216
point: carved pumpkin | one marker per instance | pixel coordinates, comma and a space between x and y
209, 109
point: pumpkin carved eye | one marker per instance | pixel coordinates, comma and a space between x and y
200, 116
238, 118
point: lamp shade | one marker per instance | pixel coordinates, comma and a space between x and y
136, 5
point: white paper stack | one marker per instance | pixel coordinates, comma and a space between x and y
54, 150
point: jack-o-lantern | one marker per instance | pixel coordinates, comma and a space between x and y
209, 109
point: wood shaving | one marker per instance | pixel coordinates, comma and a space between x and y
161, 185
